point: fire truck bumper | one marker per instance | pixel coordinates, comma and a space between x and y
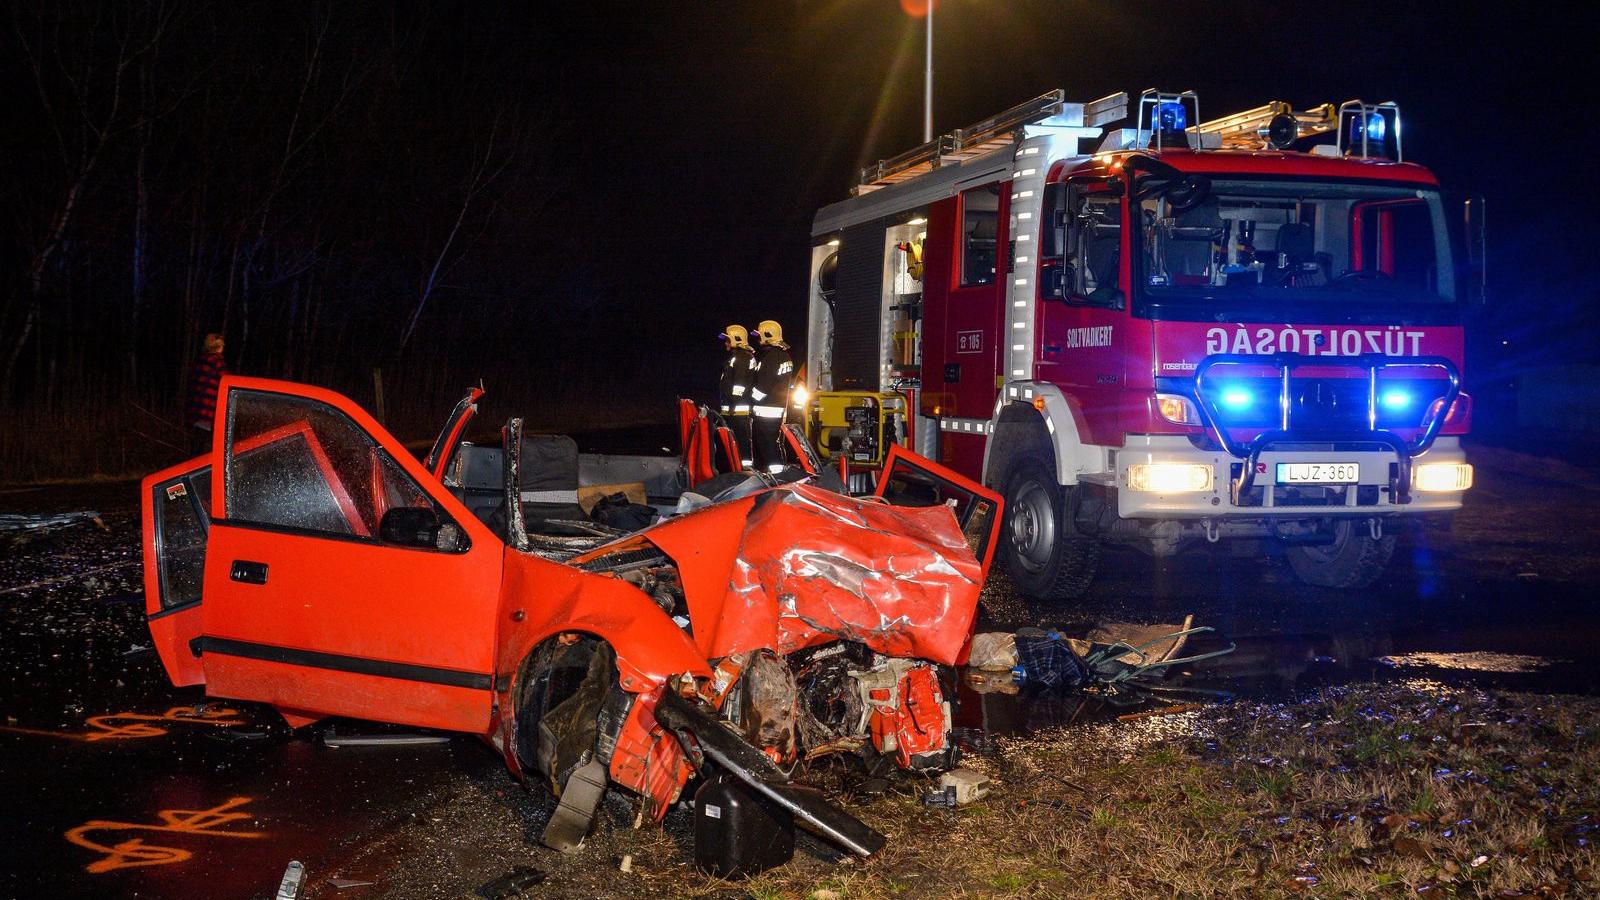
1166, 477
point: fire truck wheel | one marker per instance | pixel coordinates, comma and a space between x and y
1351, 560
1047, 557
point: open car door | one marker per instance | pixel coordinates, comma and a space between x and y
176, 506
341, 578
911, 480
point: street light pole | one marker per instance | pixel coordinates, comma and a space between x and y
927, 82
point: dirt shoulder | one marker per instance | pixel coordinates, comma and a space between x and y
1358, 791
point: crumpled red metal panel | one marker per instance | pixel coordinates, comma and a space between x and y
813, 566
647, 760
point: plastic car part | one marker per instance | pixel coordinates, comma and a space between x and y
704, 738
736, 834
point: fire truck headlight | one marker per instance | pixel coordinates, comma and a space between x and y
1169, 478
1436, 478
799, 396
1177, 409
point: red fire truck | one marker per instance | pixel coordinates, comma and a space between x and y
1245, 329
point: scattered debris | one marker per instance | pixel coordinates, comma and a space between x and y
969, 786
294, 878
1114, 657
48, 521
511, 884
1172, 710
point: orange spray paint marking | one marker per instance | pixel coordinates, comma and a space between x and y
138, 725
134, 852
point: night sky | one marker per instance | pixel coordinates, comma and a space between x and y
652, 170
732, 123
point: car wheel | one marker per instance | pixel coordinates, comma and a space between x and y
1046, 556
1353, 559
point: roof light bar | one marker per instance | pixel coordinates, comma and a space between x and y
1366, 126
1163, 118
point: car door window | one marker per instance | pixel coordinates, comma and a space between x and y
180, 531
299, 464
1094, 228
980, 221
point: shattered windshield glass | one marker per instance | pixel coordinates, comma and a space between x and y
1297, 241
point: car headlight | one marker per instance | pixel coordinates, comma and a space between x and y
1442, 477
1169, 478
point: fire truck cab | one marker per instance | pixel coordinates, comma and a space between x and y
1246, 329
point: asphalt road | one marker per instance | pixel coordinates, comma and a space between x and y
114, 784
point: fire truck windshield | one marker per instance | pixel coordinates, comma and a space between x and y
1275, 244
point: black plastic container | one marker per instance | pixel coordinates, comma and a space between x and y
736, 834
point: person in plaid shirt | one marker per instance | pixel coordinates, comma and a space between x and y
201, 405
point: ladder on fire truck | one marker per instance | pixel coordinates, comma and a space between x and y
1273, 125
991, 134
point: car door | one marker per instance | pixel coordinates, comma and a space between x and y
176, 507
911, 480
313, 601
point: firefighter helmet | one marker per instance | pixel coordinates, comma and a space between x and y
771, 332
737, 336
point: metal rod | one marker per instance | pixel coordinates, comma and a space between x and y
927, 82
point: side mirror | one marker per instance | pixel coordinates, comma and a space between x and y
421, 527
1053, 281
1053, 231
1474, 215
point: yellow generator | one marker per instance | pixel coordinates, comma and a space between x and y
859, 425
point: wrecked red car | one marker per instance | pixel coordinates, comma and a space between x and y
752, 623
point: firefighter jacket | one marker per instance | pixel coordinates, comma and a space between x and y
733, 388
774, 376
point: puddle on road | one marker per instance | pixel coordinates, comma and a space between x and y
1476, 661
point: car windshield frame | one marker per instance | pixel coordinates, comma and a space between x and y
1351, 300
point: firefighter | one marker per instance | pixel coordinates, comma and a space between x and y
769, 396
733, 388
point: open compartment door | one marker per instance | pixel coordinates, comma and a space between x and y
176, 520
911, 480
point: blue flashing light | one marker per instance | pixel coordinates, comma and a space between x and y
1236, 398
1395, 399
1171, 116
1374, 124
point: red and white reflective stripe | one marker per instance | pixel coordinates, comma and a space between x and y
968, 426
769, 412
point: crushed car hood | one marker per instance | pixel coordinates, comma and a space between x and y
798, 566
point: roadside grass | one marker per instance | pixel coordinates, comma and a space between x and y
1397, 790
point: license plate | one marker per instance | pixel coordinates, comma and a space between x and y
1319, 473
